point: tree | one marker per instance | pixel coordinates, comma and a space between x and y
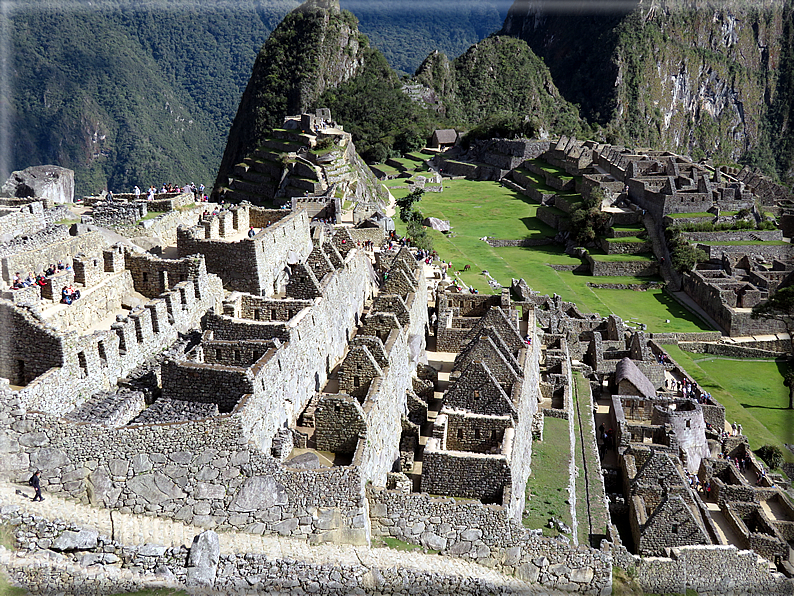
772, 455
406, 204
781, 308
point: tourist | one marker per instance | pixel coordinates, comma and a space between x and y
137, 192
50, 270
707, 489
109, 195
35, 482
16, 281
61, 266
150, 196
251, 232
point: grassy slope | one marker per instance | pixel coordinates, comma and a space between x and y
477, 209
752, 392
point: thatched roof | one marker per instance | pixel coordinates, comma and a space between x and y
445, 135
626, 370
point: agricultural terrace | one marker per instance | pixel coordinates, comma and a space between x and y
478, 208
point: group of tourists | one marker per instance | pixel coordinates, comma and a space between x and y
18, 281
198, 191
698, 486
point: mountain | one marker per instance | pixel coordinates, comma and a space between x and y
711, 79
406, 31
318, 58
128, 93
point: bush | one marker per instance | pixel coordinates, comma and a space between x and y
772, 456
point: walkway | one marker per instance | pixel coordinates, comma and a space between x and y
725, 532
132, 529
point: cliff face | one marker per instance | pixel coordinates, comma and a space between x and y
315, 48
699, 78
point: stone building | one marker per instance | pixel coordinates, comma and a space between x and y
482, 436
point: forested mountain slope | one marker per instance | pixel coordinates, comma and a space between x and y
129, 93
709, 79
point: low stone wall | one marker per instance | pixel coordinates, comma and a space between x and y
77, 559
768, 251
625, 248
674, 338
730, 350
621, 268
555, 220
94, 303
496, 243
484, 533
375, 235
733, 235
710, 570
24, 220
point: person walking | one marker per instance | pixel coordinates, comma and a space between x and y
137, 192
35, 482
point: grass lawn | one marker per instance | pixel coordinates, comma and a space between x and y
631, 239
752, 392
476, 209
687, 215
547, 487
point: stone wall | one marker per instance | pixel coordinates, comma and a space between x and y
37, 255
78, 559
768, 251
95, 303
733, 235
250, 265
60, 370
708, 570
26, 219
152, 276
486, 534
734, 322
621, 268
374, 235
464, 474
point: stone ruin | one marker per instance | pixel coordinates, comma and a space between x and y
277, 385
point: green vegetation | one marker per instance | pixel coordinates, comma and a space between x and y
134, 105
690, 215
598, 519
752, 392
588, 222
413, 218
476, 209
683, 255
6, 589
547, 487
772, 455
406, 31
401, 545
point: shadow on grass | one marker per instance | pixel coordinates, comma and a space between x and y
754, 407
677, 310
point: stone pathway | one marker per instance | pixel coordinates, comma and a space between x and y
141, 529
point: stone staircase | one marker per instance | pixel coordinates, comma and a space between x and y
143, 529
